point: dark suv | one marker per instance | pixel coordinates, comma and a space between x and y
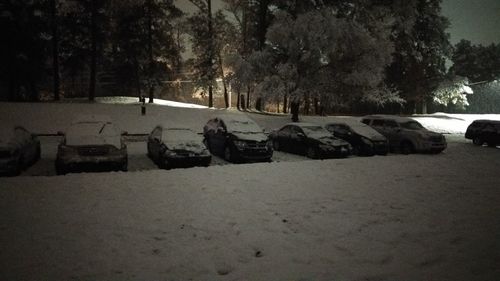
406, 134
484, 131
237, 138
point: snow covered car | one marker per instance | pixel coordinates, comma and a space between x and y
484, 131
311, 140
177, 148
363, 139
92, 143
237, 138
18, 150
406, 134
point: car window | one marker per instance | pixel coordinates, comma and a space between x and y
378, 123
285, 131
391, 124
412, 125
316, 132
366, 121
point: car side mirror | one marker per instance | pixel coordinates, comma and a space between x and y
124, 133
301, 135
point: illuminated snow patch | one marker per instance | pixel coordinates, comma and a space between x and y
132, 100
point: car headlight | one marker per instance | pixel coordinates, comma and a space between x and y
240, 144
269, 144
325, 147
367, 141
169, 153
64, 149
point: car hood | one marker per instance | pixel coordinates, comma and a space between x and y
193, 146
256, 136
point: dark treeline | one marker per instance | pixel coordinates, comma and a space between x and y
317, 57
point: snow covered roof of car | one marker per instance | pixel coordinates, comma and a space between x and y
392, 117
239, 123
303, 124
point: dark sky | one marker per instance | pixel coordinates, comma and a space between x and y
474, 20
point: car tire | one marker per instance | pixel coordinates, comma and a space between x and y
407, 148
477, 141
38, 154
61, 170
312, 153
228, 154
276, 145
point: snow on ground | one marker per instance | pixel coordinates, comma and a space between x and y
416, 217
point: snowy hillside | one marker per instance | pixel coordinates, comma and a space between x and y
48, 118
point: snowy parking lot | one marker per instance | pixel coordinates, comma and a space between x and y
396, 217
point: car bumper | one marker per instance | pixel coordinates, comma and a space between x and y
337, 152
91, 163
431, 147
8, 165
186, 162
254, 155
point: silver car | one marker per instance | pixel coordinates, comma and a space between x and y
406, 134
19, 149
92, 143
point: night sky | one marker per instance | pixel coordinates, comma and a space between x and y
474, 20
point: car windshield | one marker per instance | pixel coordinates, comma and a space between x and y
93, 133
412, 125
181, 135
243, 126
316, 132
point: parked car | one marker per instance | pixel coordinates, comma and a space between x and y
92, 143
363, 139
484, 131
19, 149
177, 148
311, 140
406, 134
237, 138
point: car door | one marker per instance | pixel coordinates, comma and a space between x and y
298, 140
154, 143
392, 131
283, 137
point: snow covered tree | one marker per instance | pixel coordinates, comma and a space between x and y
421, 48
453, 91
320, 57
203, 46
143, 43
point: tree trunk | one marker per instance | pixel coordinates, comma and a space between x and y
294, 108
150, 52
93, 50
55, 49
285, 104
243, 102
211, 53
248, 98
238, 98
224, 83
